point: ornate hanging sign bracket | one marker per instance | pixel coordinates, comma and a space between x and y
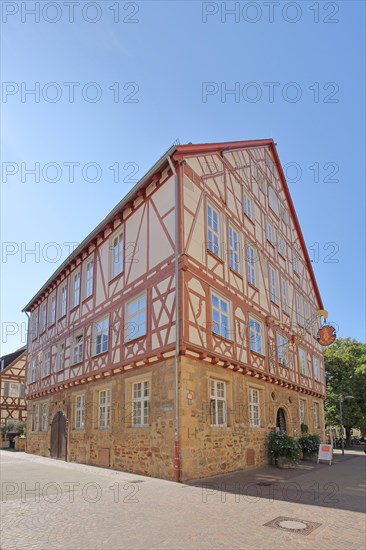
326, 335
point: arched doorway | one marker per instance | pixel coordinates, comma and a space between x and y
281, 420
58, 436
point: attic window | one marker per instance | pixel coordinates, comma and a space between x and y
273, 201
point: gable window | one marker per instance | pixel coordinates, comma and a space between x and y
220, 315
282, 350
44, 418
140, 403
233, 249
281, 247
32, 371
307, 315
299, 310
52, 313
12, 389
35, 325
63, 302
36, 418
46, 363
316, 368
135, 318
117, 254
256, 335
295, 262
302, 411
273, 285
254, 408
213, 230
251, 258
77, 348
76, 290
218, 402
44, 317
284, 296
316, 415
101, 336
104, 417
79, 412
303, 362
248, 207
60, 364
270, 233
89, 276
273, 201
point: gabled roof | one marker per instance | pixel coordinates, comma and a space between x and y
159, 166
6, 360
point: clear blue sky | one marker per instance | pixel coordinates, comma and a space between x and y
169, 52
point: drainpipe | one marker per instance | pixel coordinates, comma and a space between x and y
177, 328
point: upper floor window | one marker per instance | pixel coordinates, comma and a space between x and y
101, 336
34, 321
316, 368
63, 301
77, 347
89, 276
281, 246
303, 362
60, 361
46, 363
270, 233
135, 318
316, 415
254, 408
233, 249
32, 371
299, 310
284, 296
104, 416
307, 314
79, 412
44, 317
282, 350
295, 263
52, 312
248, 207
13, 389
117, 254
36, 418
251, 267
256, 335
273, 284
76, 290
302, 413
44, 418
140, 403
220, 315
213, 230
273, 201
218, 402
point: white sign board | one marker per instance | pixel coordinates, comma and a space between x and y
325, 452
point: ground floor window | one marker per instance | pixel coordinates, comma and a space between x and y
218, 402
79, 412
140, 401
254, 408
104, 417
316, 415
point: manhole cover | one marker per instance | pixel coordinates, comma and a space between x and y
293, 525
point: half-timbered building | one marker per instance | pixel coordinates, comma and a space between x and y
12, 386
182, 329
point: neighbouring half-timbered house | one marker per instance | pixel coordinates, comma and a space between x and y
12, 386
182, 329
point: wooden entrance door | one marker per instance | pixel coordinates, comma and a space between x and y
58, 436
281, 420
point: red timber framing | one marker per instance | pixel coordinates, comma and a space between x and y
12, 380
221, 173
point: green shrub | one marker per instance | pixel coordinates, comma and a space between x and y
309, 444
304, 428
281, 444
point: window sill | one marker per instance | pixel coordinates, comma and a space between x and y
87, 299
100, 354
135, 339
271, 244
215, 256
76, 364
253, 286
237, 273
51, 325
115, 277
62, 317
257, 354
222, 337
275, 303
74, 308
250, 219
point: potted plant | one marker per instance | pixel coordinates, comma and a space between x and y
283, 449
309, 444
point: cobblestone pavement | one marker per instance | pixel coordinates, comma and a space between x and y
48, 504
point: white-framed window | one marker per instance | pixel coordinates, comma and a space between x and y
36, 418
251, 265
104, 416
256, 335
273, 201
135, 325
101, 332
254, 408
34, 322
303, 362
302, 408
282, 350
248, 207
316, 368
117, 254
32, 371
63, 301
76, 289
234, 249
52, 311
284, 296
307, 314
281, 246
316, 415
273, 284
295, 262
213, 230
270, 233
221, 315
44, 317
299, 310
44, 418
12, 389
89, 278
60, 362
218, 402
79, 412
140, 403
77, 348
46, 363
